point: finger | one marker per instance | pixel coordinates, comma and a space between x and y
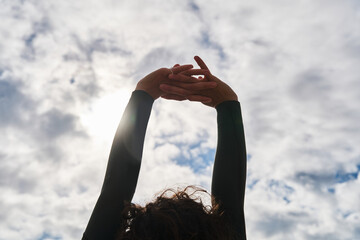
199, 98
174, 90
176, 65
196, 72
200, 62
174, 97
181, 68
183, 78
192, 86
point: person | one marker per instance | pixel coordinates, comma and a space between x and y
180, 216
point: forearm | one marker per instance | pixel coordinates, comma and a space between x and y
229, 174
122, 169
126, 151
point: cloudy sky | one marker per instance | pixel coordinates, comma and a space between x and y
67, 70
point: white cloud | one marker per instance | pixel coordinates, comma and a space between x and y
74, 64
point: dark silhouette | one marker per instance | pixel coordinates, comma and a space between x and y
179, 216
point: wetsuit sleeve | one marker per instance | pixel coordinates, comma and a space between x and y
122, 169
229, 173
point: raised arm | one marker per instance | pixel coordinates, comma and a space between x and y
229, 174
122, 169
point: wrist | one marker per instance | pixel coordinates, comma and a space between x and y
139, 87
226, 100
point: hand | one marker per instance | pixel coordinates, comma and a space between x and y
179, 89
151, 82
196, 84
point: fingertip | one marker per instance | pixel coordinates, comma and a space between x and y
189, 66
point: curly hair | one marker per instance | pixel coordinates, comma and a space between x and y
178, 217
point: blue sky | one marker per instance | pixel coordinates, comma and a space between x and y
67, 70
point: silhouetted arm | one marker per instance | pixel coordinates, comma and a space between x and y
122, 169
229, 174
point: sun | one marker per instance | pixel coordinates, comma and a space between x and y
102, 119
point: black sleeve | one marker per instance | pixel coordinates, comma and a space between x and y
122, 169
229, 174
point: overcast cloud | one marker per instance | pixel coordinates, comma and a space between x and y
67, 70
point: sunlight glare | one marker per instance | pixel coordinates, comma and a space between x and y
104, 116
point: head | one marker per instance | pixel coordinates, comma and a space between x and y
179, 216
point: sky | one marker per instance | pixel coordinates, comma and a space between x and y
67, 71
